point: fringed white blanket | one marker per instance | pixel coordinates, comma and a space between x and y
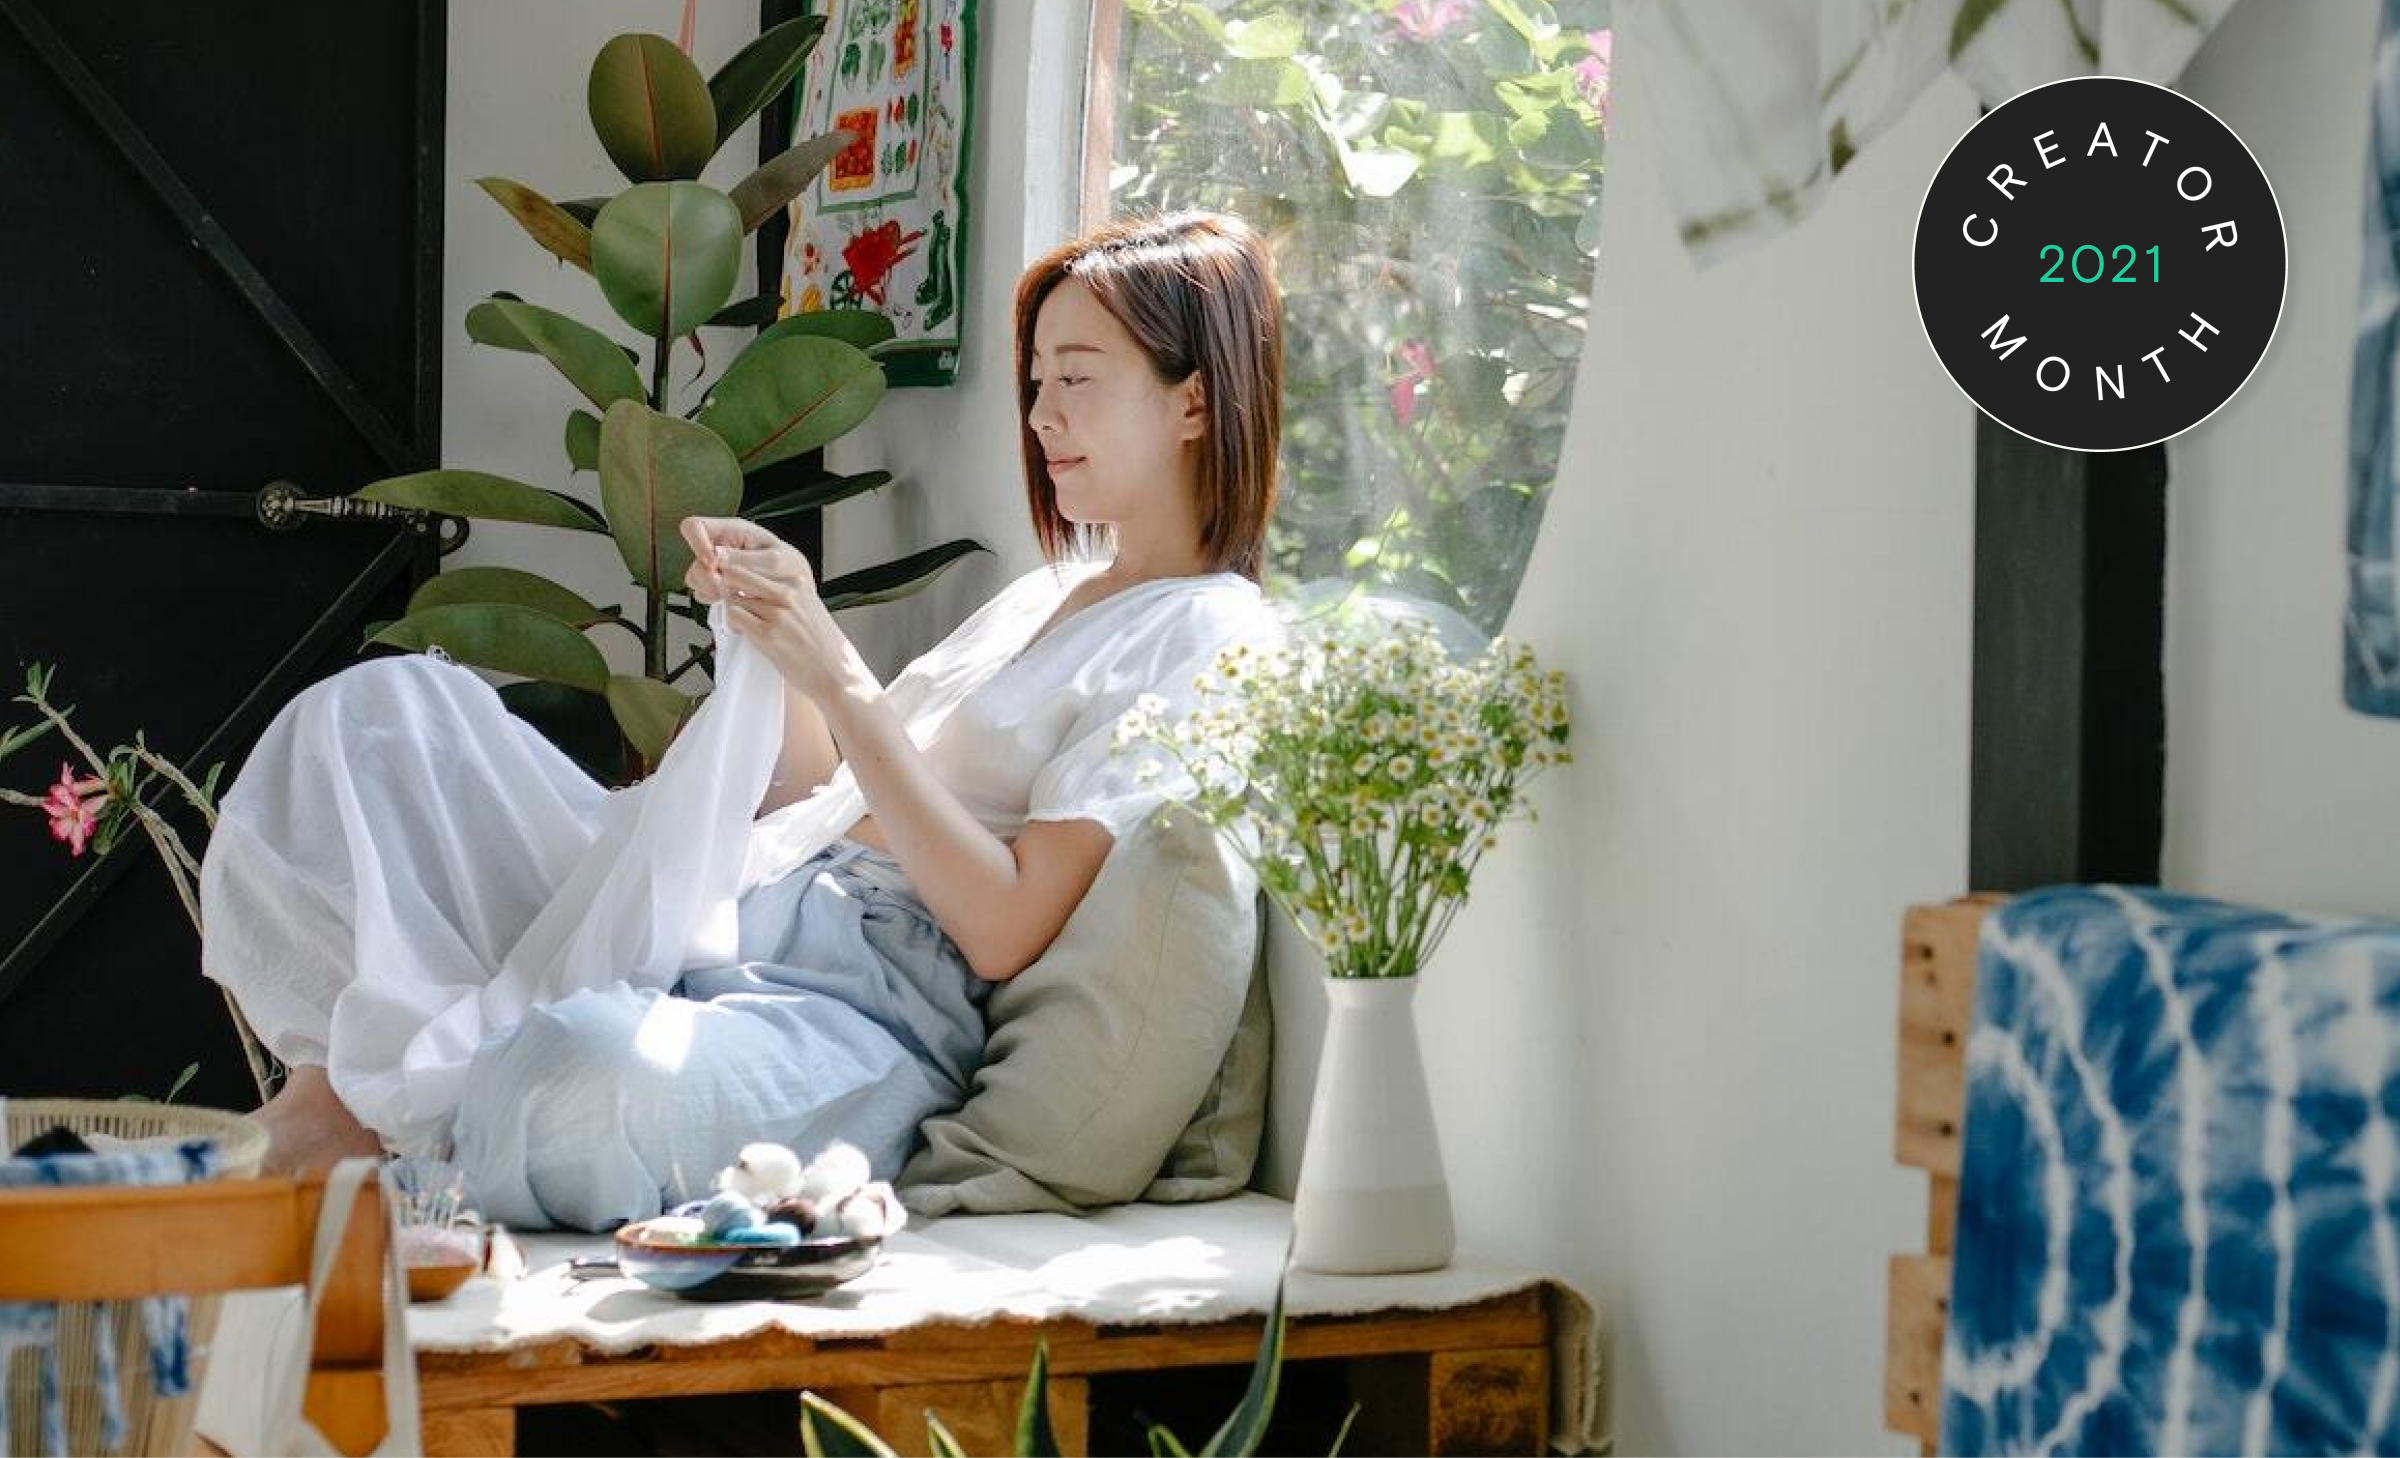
1138, 1263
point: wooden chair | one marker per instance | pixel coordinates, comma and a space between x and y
123, 1243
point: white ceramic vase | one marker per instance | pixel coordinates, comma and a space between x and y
1372, 1198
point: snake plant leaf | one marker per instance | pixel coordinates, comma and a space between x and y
939, 1440
504, 638
666, 255
583, 440
505, 584
1164, 1444
648, 711
596, 365
1034, 1438
655, 470
760, 70
785, 397
859, 328
485, 497
747, 313
828, 1432
650, 109
1343, 1436
818, 494
894, 579
1246, 1428
764, 192
559, 232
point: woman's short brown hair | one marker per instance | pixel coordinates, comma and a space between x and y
1196, 290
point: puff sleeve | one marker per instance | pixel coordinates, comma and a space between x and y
1091, 777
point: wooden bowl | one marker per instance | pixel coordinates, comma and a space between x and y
433, 1283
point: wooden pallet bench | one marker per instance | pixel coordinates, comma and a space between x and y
1470, 1379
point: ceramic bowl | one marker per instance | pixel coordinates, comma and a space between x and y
743, 1272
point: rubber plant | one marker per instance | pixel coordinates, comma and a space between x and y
665, 254
826, 1431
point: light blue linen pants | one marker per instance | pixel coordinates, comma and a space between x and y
851, 1016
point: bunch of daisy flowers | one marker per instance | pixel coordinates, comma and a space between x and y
1371, 766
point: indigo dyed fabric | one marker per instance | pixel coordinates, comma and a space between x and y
2177, 1223
2371, 627
164, 1318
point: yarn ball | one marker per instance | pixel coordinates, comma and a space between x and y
727, 1213
761, 1235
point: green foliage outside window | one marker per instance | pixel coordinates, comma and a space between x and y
1429, 174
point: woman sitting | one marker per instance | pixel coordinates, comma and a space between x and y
397, 830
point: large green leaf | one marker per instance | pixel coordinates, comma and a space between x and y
504, 584
1274, 36
784, 397
593, 363
650, 109
666, 254
656, 470
649, 712
583, 440
560, 233
575, 720
895, 579
1246, 1428
754, 312
859, 328
828, 1432
504, 638
760, 70
818, 494
485, 497
760, 195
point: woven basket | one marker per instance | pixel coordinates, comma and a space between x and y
153, 1424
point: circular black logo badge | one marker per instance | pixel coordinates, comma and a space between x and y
2099, 263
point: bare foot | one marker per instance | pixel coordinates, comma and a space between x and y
308, 1126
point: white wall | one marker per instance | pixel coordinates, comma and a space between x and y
2277, 793
1678, 989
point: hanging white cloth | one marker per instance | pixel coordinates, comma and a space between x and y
1756, 106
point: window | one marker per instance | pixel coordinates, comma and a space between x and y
1429, 175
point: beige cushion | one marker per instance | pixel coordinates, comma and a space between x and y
1131, 1061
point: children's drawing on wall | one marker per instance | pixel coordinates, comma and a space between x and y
885, 227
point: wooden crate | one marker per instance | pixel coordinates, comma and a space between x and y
1937, 1007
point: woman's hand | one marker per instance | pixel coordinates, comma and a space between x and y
770, 593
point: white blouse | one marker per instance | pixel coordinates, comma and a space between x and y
1021, 728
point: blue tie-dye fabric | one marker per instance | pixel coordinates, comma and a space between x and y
164, 1318
2178, 1225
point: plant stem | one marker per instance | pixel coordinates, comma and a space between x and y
171, 851
191, 792
654, 642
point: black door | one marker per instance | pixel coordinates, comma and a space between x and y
221, 249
